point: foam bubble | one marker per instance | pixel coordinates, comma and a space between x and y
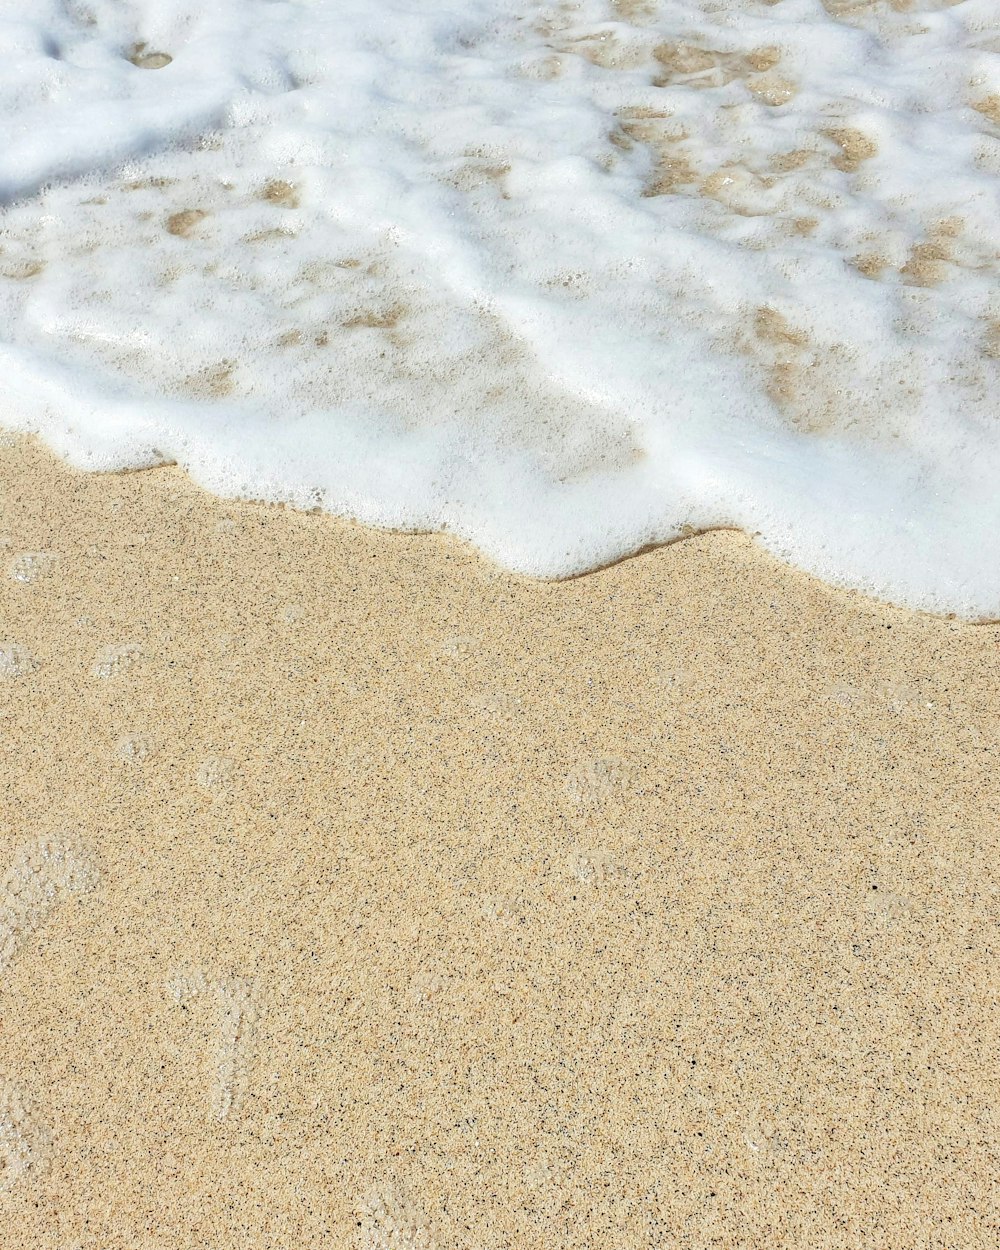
560, 279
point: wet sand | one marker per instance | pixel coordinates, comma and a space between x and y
355, 893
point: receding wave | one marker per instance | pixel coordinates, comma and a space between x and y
563, 279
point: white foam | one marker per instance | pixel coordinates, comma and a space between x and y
563, 279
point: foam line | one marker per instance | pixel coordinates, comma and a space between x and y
563, 280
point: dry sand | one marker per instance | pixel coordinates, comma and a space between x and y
358, 894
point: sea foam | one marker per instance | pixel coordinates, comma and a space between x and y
563, 279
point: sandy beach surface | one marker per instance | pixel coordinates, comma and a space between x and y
355, 893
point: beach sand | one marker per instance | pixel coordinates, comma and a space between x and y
356, 893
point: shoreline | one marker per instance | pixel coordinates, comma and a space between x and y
351, 884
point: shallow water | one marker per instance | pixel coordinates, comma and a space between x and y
562, 279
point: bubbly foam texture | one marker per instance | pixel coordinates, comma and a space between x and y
564, 279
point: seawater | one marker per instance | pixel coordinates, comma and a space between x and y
563, 279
